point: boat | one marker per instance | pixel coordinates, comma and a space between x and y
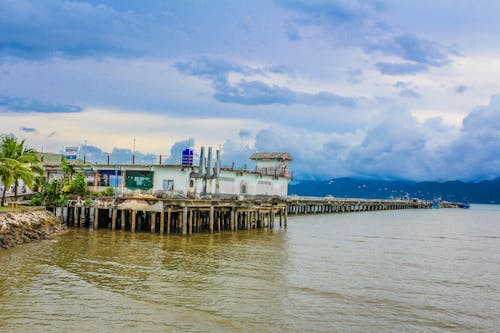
464, 205
436, 203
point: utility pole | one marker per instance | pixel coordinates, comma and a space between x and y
133, 153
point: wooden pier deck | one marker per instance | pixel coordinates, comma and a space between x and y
187, 216
315, 205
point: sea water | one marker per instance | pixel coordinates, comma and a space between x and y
387, 271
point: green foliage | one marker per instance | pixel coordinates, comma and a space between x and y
17, 162
50, 194
78, 185
109, 191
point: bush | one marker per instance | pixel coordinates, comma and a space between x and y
109, 191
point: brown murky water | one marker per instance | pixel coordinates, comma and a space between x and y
392, 271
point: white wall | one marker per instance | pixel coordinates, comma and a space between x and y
175, 173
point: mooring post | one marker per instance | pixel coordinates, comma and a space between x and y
169, 220
191, 220
184, 220
232, 219
113, 218
162, 222
153, 222
75, 216
96, 218
122, 220
133, 221
211, 219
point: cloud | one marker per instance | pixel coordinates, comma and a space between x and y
28, 129
176, 150
259, 93
416, 53
412, 48
244, 133
292, 32
25, 105
253, 92
405, 68
409, 93
475, 153
331, 13
460, 89
39, 29
393, 148
355, 75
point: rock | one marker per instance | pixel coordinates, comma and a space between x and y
18, 228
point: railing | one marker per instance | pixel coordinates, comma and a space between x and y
330, 198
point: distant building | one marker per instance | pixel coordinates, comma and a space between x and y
270, 177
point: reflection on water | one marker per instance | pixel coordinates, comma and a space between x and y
391, 271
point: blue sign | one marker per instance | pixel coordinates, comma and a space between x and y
71, 153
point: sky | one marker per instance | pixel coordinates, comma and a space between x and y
367, 89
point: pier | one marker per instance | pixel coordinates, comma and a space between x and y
181, 216
188, 216
315, 205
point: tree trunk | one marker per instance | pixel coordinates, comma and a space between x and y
3, 195
16, 185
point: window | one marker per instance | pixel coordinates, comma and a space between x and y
168, 185
191, 183
243, 188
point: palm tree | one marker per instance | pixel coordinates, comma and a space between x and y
18, 162
6, 176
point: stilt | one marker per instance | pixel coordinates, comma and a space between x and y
113, 218
184, 220
162, 222
169, 218
153, 222
133, 221
122, 220
96, 218
211, 220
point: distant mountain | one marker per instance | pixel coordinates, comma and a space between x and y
487, 191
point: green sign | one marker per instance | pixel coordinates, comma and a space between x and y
139, 180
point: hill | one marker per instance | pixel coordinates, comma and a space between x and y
487, 191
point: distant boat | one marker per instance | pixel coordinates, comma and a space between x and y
464, 205
436, 203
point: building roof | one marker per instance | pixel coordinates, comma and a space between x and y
271, 156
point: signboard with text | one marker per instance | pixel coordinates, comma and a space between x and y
71, 153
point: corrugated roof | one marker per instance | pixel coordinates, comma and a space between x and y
271, 156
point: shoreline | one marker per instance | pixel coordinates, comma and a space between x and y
22, 227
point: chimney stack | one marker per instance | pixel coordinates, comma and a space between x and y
202, 161
209, 162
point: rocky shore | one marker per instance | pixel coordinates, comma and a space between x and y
23, 227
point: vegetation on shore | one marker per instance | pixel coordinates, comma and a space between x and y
18, 162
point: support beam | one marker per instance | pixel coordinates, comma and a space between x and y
113, 218
169, 220
96, 218
211, 219
162, 222
184, 220
153, 222
133, 221
122, 220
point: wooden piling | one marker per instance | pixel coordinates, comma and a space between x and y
133, 221
96, 218
113, 218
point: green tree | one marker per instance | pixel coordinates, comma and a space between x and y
18, 162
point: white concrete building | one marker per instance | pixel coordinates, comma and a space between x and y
270, 178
